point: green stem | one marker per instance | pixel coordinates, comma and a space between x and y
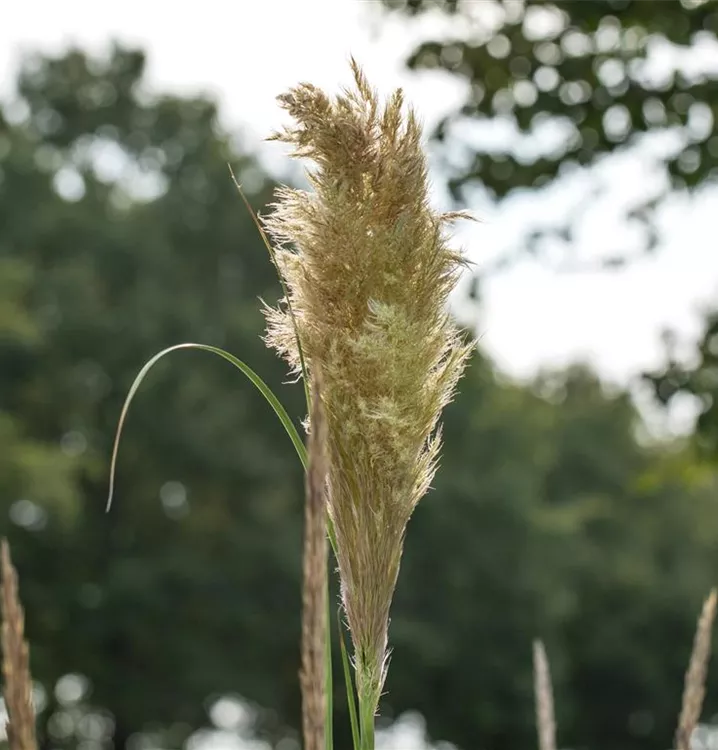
354, 721
328, 678
367, 725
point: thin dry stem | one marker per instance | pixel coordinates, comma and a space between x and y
695, 684
17, 690
545, 719
314, 614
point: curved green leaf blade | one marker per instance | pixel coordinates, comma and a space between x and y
261, 386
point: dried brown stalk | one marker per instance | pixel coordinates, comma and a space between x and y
545, 719
695, 684
314, 610
368, 269
17, 689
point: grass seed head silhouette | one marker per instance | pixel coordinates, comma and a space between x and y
368, 271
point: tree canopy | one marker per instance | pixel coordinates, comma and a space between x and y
556, 88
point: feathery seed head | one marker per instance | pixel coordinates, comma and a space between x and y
368, 271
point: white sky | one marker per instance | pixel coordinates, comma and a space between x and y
248, 52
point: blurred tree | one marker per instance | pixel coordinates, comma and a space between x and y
550, 520
695, 379
28, 467
121, 233
555, 86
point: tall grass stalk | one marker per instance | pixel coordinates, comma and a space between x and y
367, 271
314, 605
695, 682
17, 688
543, 693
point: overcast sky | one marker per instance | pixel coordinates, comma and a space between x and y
247, 53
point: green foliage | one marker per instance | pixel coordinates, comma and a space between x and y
525, 534
697, 380
548, 517
607, 72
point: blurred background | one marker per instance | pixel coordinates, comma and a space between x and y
577, 499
